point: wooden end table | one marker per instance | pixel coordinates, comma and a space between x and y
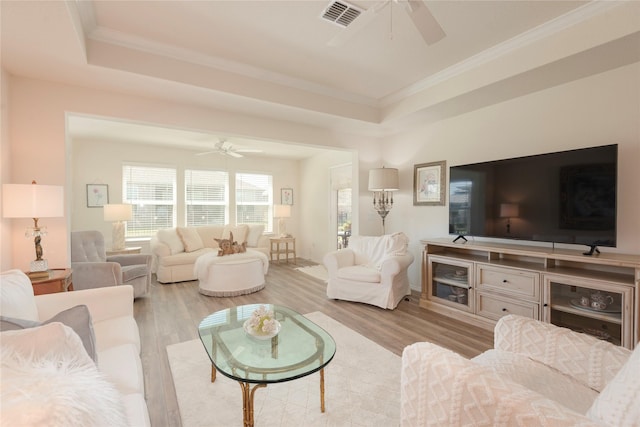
59, 280
282, 246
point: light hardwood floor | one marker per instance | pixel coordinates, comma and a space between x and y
171, 314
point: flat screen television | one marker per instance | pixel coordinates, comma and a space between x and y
563, 197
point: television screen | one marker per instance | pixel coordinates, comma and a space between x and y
562, 197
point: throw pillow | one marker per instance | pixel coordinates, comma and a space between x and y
48, 380
619, 403
169, 236
190, 239
77, 318
255, 232
16, 295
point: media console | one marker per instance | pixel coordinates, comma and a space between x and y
480, 282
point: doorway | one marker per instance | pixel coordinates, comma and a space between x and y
341, 204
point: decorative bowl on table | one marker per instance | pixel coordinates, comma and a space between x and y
262, 324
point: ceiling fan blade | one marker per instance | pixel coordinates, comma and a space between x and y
206, 152
429, 28
233, 154
247, 150
358, 24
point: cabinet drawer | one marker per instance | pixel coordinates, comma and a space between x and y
494, 307
509, 281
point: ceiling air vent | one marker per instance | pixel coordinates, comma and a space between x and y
341, 13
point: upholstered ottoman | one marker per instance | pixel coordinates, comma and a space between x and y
230, 275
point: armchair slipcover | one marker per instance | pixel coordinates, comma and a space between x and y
93, 269
538, 374
372, 270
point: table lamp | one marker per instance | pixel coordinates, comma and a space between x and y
281, 212
509, 210
33, 201
117, 213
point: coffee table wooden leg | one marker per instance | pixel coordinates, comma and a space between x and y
322, 390
247, 402
213, 373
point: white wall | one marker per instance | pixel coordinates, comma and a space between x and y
598, 110
6, 256
100, 162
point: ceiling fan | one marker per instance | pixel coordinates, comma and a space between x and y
226, 148
353, 19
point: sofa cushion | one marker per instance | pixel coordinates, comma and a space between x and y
190, 239
77, 318
169, 236
48, 379
619, 402
254, 234
359, 273
117, 331
373, 250
208, 233
123, 368
239, 232
540, 378
184, 258
16, 296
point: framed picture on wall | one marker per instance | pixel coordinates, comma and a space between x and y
97, 195
286, 196
429, 184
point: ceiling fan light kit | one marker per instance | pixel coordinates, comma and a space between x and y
225, 148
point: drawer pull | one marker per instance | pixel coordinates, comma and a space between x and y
504, 309
505, 281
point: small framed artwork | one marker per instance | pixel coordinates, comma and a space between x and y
97, 195
286, 196
429, 184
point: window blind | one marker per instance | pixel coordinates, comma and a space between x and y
206, 197
254, 200
152, 192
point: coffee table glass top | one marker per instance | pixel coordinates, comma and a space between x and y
300, 348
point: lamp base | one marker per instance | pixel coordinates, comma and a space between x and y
39, 265
117, 236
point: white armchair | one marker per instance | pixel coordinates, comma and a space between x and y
538, 374
372, 270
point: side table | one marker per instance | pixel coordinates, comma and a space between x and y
283, 246
59, 280
125, 251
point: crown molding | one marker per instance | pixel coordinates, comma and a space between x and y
576, 16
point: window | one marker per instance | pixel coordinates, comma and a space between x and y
206, 197
254, 200
152, 192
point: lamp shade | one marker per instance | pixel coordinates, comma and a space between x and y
117, 212
281, 211
509, 210
32, 201
383, 179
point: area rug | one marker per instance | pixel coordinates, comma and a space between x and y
362, 387
315, 271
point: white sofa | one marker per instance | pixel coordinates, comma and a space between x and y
174, 251
538, 374
48, 374
372, 270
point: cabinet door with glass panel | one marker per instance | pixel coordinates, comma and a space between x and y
595, 307
451, 282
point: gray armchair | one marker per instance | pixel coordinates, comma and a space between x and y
93, 269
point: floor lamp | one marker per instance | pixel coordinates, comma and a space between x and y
383, 182
34, 201
117, 213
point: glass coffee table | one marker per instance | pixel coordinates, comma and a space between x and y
299, 349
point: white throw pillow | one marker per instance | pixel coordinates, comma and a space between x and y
49, 380
255, 232
169, 236
239, 232
619, 402
16, 296
190, 239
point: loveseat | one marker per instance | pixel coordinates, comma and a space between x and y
174, 251
538, 374
69, 358
372, 270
